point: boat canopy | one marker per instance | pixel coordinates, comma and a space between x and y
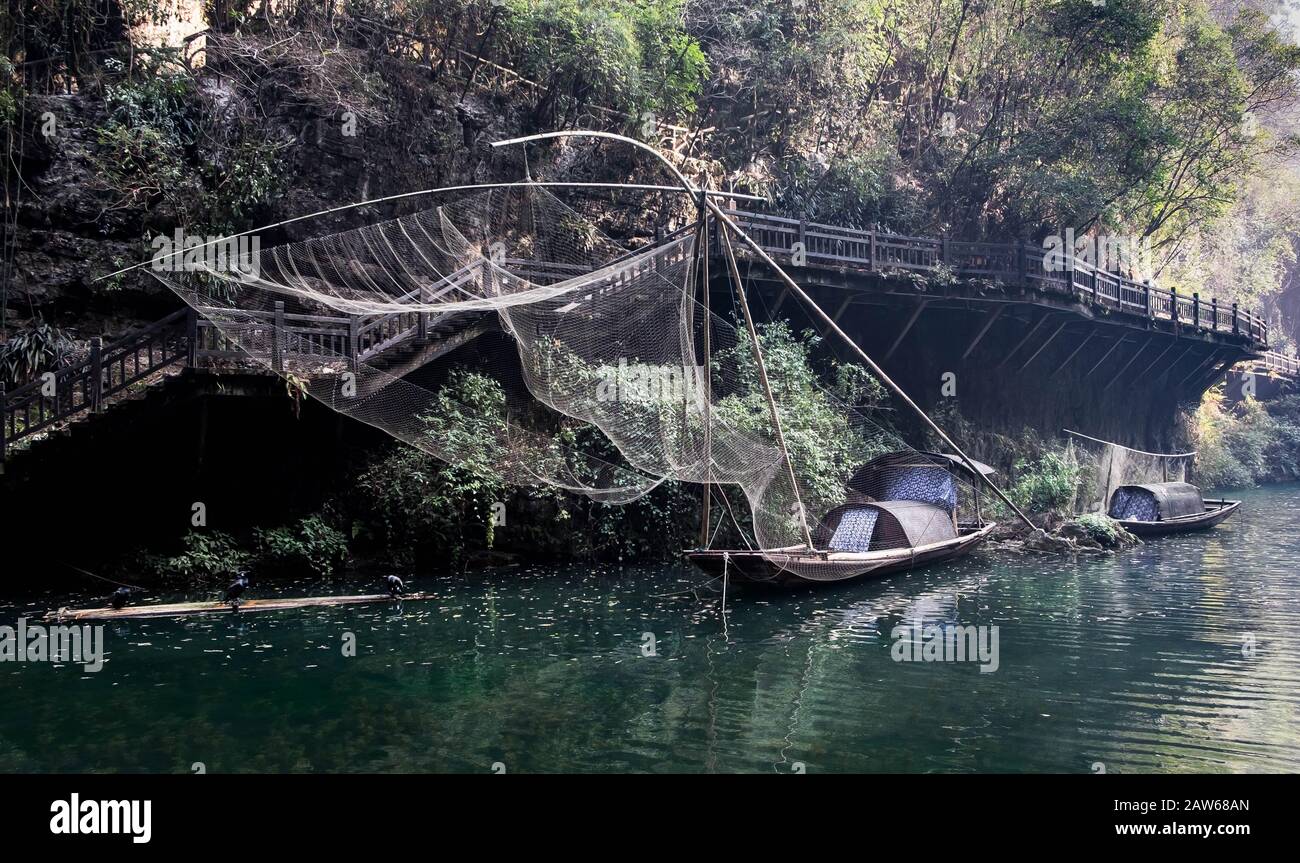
1156, 501
886, 524
912, 476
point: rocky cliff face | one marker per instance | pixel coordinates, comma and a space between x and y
385, 129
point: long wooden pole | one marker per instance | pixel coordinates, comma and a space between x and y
693, 191
826, 319
703, 251
767, 387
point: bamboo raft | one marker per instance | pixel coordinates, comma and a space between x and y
183, 609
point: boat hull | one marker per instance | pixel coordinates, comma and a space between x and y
1216, 511
795, 567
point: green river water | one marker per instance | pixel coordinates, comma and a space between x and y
1178, 656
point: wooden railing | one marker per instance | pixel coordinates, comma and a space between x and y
185, 337
1274, 363
275, 336
83, 386
830, 247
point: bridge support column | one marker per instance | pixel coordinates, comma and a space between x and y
1160, 356
1074, 353
1209, 359
277, 349
1025, 338
1141, 350
1043, 346
1118, 341
989, 322
907, 327
1169, 368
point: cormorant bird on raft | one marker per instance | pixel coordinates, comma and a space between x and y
236, 590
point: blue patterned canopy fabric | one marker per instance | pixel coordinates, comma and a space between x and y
1156, 501
1134, 504
854, 530
925, 483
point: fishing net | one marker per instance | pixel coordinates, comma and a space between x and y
1106, 467
593, 354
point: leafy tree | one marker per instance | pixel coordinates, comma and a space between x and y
632, 56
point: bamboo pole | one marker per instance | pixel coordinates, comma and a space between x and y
694, 192
474, 187
703, 250
767, 387
182, 609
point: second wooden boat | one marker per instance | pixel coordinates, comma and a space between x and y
1152, 509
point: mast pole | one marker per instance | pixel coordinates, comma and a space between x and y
826, 319
703, 249
723, 220
767, 387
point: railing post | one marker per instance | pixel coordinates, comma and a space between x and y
1214, 314
96, 373
1146, 296
1235, 319
871, 236
4, 424
1022, 263
354, 342
1173, 307
277, 348
1095, 277
803, 237
192, 335
422, 323
1196, 310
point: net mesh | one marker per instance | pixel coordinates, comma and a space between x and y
598, 377
1105, 467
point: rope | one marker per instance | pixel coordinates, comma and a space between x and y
100, 577
692, 589
726, 568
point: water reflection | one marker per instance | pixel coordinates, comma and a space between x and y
1136, 662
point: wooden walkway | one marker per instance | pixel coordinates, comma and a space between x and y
829, 247
275, 337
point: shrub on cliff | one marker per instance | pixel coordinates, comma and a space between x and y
1247, 443
1046, 484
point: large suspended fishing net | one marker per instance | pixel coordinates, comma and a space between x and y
1106, 468
595, 355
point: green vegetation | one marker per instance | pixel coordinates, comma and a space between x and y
410, 507
310, 546
1046, 484
825, 443
35, 349
1100, 527
206, 555
633, 57
1247, 444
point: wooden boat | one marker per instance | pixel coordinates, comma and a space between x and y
913, 525
1153, 509
796, 566
184, 609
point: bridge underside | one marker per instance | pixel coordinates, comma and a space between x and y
1013, 358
